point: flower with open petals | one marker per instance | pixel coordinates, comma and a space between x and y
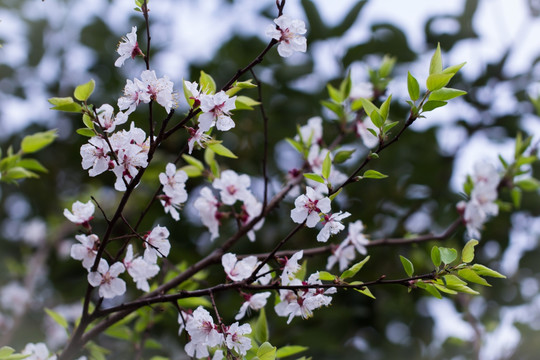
107, 279
216, 111
309, 206
80, 213
289, 34
128, 48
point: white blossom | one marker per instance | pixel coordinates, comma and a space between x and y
107, 279
139, 269
86, 250
208, 205
309, 206
81, 213
216, 111
291, 267
253, 302
203, 333
289, 34
128, 47
235, 339
233, 186
37, 351
332, 225
157, 244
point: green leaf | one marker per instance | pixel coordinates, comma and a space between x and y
86, 132
467, 255
530, 184
438, 81
472, 276
448, 255
453, 69
221, 150
32, 164
389, 126
364, 291
333, 196
485, 271
208, 85
430, 288
192, 161
83, 92
260, 331
37, 141
376, 119
87, 121
444, 94
335, 108
245, 103
209, 156
413, 87
387, 66
239, 85
326, 276
345, 86
373, 174
354, 269
17, 172
334, 94
407, 265
342, 156
295, 144
444, 289
290, 350
516, 197
191, 171
59, 319
327, 165
152, 344
436, 256
123, 332
435, 66
385, 109
452, 280
266, 351
314, 177
356, 105
6, 351
368, 106
65, 104
214, 167
432, 105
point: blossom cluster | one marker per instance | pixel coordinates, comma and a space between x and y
481, 204
174, 190
232, 188
141, 269
205, 334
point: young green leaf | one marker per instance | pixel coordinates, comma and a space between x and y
314, 177
444, 289
32, 164
192, 161
326, 276
83, 92
530, 184
221, 150
430, 288
438, 81
368, 106
37, 141
345, 86
290, 350
59, 319
516, 197
191, 171
385, 109
373, 174
432, 105
343, 155
85, 132
448, 255
376, 119
334, 107
436, 256
444, 94
413, 87
327, 165
472, 276
65, 104
208, 85
485, 271
467, 254
407, 265
354, 269
334, 94
295, 144
260, 331
245, 103
333, 196
435, 66
453, 69
365, 291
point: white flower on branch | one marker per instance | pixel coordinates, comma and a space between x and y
38, 351
208, 205
107, 279
291, 267
233, 186
216, 111
235, 339
107, 120
128, 47
253, 302
203, 333
157, 244
81, 213
289, 34
86, 250
139, 269
332, 225
309, 206
174, 188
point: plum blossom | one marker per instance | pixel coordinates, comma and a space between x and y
356, 237
157, 244
107, 279
208, 205
309, 206
253, 302
303, 302
311, 133
236, 341
37, 351
289, 34
107, 120
195, 92
216, 111
233, 186
291, 267
482, 204
238, 270
197, 136
128, 47
174, 187
160, 90
81, 213
332, 225
203, 333
139, 269
345, 252
86, 250
95, 156
251, 209
134, 94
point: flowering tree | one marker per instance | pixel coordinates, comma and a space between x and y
132, 262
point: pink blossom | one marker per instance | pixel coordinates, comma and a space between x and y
128, 47
289, 34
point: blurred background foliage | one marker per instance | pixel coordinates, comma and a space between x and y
61, 50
